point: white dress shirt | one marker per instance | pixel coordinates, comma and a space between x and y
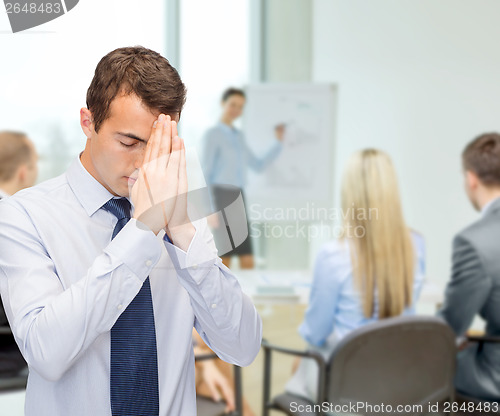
3, 194
64, 283
486, 206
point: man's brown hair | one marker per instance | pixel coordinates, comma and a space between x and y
482, 156
230, 92
15, 150
135, 70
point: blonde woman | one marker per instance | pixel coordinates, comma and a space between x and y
374, 271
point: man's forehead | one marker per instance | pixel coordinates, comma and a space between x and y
124, 104
130, 103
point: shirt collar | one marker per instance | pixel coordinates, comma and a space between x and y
3, 194
91, 194
226, 128
486, 208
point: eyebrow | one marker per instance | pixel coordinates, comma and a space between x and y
132, 136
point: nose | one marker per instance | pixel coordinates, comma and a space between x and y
139, 159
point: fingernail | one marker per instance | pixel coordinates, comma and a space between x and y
155, 123
161, 118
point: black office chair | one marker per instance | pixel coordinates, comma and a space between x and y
483, 339
462, 398
395, 361
205, 406
13, 369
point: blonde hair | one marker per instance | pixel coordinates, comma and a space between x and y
382, 252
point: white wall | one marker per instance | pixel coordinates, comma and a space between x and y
214, 55
45, 71
287, 40
418, 79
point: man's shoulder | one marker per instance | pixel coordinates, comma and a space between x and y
482, 236
213, 132
478, 229
48, 191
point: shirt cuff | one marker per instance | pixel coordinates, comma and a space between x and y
137, 247
200, 256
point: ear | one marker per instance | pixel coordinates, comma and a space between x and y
22, 173
86, 122
471, 179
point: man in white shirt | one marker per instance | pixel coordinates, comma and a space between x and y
103, 274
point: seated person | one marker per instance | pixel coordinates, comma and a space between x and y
18, 170
214, 378
474, 287
374, 271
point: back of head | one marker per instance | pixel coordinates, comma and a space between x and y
135, 70
382, 252
15, 150
482, 156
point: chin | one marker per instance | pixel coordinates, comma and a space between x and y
124, 193
119, 190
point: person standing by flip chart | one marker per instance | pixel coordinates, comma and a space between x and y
226, 158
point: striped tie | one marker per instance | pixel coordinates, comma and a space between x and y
134, 365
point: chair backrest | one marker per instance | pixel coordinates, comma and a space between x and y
205, 406
396, 361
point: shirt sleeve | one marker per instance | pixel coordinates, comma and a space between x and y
225, 317
53, 325
320, 315
468, 288
259, 164
419, 276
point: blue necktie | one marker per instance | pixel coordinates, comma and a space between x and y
134, 365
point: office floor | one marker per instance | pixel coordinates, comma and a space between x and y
280, 323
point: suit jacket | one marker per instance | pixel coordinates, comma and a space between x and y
474, 288
11, 360
3, 317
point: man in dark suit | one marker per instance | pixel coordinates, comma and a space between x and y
18, 170
474, 287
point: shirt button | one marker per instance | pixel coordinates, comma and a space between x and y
214, 305
149, 263
120, 306
195, 266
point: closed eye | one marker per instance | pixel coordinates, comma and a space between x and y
130, 139
128, 145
